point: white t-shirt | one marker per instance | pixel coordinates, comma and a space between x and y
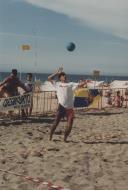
65, 93
29, 86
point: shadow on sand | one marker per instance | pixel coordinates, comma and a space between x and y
20, 121
100, 142
100, 113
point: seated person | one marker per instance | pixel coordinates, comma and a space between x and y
118, 99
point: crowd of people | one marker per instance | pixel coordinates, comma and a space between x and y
115, 100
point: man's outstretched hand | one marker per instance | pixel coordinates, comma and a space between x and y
60, 70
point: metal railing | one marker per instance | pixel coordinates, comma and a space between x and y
46, 102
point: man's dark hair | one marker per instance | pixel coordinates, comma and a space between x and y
61, 74
30, 75
14, 71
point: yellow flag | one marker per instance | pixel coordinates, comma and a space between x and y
26, 47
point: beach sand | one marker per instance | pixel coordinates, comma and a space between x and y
95, 158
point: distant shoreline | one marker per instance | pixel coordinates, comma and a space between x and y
86, 74
72, 77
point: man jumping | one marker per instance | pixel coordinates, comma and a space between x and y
65, 95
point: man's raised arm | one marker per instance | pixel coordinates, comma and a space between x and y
51, 77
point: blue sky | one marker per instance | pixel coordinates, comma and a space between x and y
99, 29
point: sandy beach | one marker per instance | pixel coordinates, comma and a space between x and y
95, 158
57, 58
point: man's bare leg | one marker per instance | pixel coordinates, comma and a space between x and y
54, 126
30, 108
68, 129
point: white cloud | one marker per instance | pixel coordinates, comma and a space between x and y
106, 15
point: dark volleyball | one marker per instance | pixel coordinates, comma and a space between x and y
71, 46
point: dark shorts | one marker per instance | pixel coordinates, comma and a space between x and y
10, 91
63, 112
